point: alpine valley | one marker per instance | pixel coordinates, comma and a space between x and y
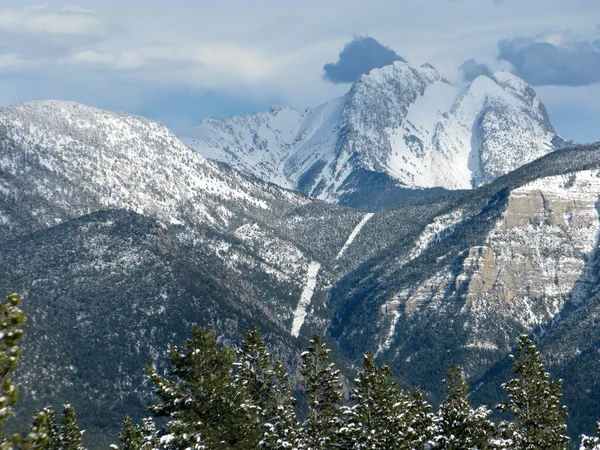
420, 221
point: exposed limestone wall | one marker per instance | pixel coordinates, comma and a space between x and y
536, 258
540, 248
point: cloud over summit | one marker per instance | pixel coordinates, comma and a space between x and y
471, 69
359, 56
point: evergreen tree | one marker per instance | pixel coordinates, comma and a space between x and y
150, 438
420, 419
199, 396
38, 438
591, 442
70, 433
459, 426
379, 418
281, 425
254, 369
255, 376
322, 386
131, 436
11, 333
52, 429
535, 402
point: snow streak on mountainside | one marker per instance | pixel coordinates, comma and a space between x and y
353, 235
305, 298
406, 122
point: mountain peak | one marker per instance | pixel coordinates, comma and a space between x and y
400, 72
406, 123
509, 80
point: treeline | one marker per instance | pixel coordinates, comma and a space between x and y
215, 397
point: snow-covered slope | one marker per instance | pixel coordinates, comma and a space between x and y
258, 143
61, 160
83, 159
497, 125
406, 122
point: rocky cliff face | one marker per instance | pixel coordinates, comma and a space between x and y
533, 260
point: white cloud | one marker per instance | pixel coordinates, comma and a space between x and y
12, 63
91, 59
45, 19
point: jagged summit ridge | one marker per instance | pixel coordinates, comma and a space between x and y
408, 123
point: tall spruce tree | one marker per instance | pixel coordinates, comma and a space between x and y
323, 392
535, 401
420, 419
379, 419
38, 438
281, 425
70, 433
204, 405
254, 369
150, 438
11, 333
458, 426
52, 429
131, 436
255, 376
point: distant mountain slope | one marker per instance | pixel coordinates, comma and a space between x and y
464, 276
406, 123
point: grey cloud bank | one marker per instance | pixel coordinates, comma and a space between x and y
359, 56
471, 69
547, 60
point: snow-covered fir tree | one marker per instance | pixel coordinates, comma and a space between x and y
281, 426
130, 436
591, 442
70, 433
323, 392
203, 404
52, 429
535, 402
37, 438
457, 425
380, 418
150, 436
11, 321
254, 374
420, 417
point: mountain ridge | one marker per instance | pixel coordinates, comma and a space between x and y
407, 123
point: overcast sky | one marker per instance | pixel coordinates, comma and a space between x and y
179, 61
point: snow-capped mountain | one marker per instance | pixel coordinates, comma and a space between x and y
406, 122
